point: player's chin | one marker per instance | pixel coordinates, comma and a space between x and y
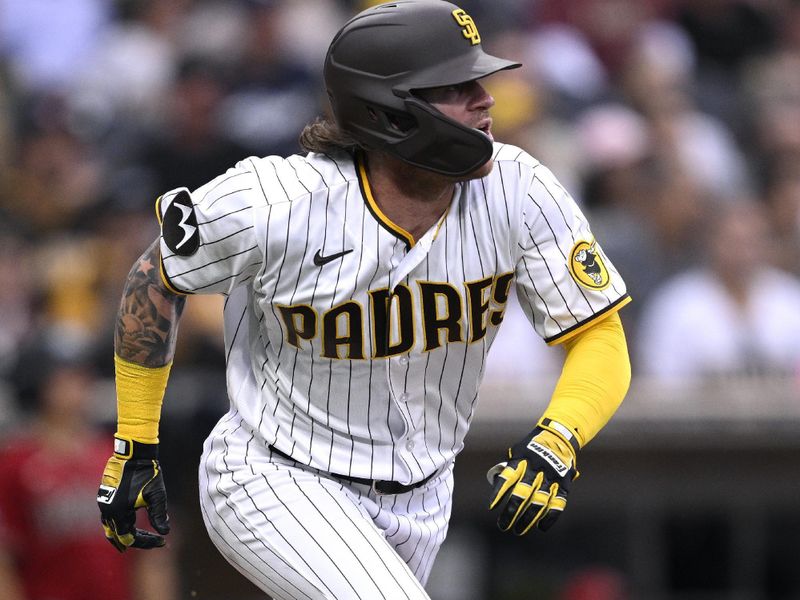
481, 171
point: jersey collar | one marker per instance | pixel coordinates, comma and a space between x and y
383, 220
369, 199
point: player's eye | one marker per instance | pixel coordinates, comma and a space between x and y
445, 94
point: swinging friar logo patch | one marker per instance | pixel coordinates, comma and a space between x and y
179, 228
587, 267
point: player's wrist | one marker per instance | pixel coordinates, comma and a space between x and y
552, 443
140, 393
128, 448
567, 434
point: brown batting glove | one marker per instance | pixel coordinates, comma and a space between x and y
131, 480
531, 487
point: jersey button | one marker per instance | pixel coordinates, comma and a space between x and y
404, 397
403, 360
410, 445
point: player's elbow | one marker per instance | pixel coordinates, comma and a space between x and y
603, 351
619, 360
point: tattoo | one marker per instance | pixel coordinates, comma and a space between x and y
147, 321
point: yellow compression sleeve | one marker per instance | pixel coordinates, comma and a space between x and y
594, 380
140, 392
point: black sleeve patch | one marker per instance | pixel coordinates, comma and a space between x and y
179, 226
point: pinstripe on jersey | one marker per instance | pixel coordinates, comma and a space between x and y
319, 364
297, 533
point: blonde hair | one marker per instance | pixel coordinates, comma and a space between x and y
324, 136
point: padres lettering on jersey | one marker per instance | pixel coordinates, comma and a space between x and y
353, 347
446, 314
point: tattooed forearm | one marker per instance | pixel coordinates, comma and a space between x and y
147, 321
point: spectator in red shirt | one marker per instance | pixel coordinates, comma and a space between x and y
49, 547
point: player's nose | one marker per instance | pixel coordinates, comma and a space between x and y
481, 99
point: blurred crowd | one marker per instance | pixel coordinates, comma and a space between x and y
674, 123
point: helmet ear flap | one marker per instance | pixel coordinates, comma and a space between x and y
422, 136
391, 120
440, 144
379, 127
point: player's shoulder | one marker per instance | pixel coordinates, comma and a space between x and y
509, 153
293, 177
514, 164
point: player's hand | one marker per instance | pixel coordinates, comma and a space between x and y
531, 487
131, 480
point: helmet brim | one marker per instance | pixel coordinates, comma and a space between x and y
461, 69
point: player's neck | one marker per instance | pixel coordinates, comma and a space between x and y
413, 198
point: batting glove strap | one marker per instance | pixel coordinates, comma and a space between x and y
531, 487
129, 448
563, 432
127, 485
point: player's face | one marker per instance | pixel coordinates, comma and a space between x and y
467, 103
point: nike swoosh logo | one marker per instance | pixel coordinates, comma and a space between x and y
320, 260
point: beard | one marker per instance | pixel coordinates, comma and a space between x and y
478, 173
413, 179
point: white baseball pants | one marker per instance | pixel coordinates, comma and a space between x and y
298, 533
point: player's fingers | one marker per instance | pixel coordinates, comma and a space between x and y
116, 543
491, 474
505, 482
155, 497
146, 540
112, 538
136, 538
558, 506
159, 518
121, 522
538, 507
545, 507
119, 539
518, 503
548, 520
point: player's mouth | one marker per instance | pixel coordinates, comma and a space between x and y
486, 127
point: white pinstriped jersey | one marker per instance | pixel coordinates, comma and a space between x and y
350, 345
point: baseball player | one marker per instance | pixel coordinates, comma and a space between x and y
364, 283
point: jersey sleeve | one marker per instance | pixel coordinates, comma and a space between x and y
564, 280
208, 238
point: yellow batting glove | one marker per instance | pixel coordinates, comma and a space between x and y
531, 487
131, 480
